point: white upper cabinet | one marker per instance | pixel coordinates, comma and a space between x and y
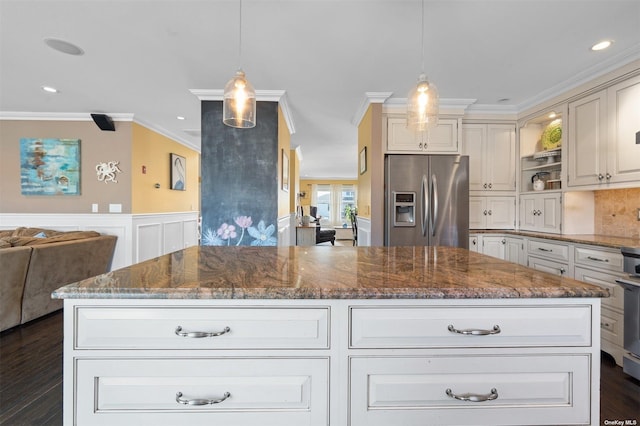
492, 156
604, 136
624, 131
541, 212
441, 140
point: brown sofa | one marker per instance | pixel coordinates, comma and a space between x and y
34, 262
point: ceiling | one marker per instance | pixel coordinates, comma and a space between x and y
144, 57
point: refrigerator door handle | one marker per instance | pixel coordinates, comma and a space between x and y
425, 205
434, 203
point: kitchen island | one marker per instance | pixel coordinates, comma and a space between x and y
330, 335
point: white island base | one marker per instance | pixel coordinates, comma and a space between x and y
332, 362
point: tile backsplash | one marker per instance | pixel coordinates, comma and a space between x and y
616, 212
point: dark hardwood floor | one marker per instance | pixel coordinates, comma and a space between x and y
31, 379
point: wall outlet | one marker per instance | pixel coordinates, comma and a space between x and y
94, 208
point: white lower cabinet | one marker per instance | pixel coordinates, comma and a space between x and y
347, 362
494, 390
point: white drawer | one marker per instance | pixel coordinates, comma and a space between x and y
155, 328
428, 327
407, 391
274, 391
612, 326
550, 266
604, 280
548, 249
601, 259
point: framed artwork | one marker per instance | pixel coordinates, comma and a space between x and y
178, 169
363, 160
49, 166
285, 171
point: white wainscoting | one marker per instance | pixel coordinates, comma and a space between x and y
140, 237
364, 231
285, 226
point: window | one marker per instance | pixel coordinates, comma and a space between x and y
331, 201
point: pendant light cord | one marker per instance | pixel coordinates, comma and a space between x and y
422, 36
240, 37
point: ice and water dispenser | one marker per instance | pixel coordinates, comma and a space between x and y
404, 208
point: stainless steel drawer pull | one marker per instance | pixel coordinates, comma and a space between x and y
544, 249
199, 401
495, 330
474, 397
597, 259
200, 334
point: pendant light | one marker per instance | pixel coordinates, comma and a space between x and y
423, 100
239, 99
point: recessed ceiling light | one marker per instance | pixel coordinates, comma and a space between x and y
49, 89
180, 117
63, 46
552, 115
601, 45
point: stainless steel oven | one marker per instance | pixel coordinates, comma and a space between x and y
631, 284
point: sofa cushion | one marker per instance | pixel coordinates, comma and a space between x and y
59, 237
4, 242
30, 232
14, 263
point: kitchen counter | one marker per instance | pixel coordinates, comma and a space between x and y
592, 239
206, 272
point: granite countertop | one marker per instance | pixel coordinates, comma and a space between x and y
317, 272
591, 239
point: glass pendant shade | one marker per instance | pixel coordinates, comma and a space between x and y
239, 103
422, 106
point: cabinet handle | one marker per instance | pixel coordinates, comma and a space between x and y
200, 334
608, 176
476, 332
474, 397
485, 186
490, 186
474, 242
562, 271
484, 212
489, 212
597, 259
600, 177
199, 401
503, 241
420, 145
544, 249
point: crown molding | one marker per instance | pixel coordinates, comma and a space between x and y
369, 98
60, 116
448, 106
583, 77
279, 96
164, 132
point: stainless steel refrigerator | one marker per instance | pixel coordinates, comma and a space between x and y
427, 200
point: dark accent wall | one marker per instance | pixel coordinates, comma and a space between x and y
239, 169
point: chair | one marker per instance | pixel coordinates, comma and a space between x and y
354, 227
322, 236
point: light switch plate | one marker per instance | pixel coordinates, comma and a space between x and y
115, 208
94, 208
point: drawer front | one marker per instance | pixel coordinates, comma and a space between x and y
540, 390
178, 328
549, 250
612, 326
600, 259
604, 280
550, 266
274, 391
429, 327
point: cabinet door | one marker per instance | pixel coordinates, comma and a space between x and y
623, 163
528, 212
501, 212
477, 212
442, 139
587, 140
549, 220
494, 246
514, 250
501, 157
474, 139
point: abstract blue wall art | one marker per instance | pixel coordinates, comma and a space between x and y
50, 166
